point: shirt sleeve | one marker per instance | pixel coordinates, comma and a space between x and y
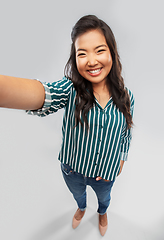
56, 97
127, 133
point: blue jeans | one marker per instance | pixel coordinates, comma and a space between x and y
77, 183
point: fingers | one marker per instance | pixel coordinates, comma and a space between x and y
98, 178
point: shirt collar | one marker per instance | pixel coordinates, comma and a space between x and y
107, 105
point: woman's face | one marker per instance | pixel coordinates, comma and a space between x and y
93, 57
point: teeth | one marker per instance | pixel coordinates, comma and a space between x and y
95, 71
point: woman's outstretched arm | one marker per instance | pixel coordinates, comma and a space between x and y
21, 93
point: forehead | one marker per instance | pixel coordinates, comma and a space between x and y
90, 39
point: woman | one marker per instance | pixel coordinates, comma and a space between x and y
98, 113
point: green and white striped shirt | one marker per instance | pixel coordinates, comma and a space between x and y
94, 152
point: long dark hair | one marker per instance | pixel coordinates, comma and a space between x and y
85, 97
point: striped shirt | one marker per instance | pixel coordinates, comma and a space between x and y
94, 152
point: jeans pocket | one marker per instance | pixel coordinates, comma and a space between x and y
66, 169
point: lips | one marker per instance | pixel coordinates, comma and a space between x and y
94, 72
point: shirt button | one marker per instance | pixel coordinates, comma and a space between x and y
98, 153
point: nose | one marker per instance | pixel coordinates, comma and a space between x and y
92, 61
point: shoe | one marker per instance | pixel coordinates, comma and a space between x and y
102, 229
75, 222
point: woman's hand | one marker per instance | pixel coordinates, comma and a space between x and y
99, 178
121, 166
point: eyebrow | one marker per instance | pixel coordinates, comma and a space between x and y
102, 45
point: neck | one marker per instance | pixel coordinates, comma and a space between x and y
100, 88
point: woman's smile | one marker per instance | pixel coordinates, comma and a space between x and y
95, 72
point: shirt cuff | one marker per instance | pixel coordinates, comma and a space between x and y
124, 156
46, 105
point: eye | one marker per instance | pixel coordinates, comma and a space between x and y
101, 50
81, 54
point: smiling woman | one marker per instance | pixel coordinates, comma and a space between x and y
98, 113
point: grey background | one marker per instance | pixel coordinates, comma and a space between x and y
35, 43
